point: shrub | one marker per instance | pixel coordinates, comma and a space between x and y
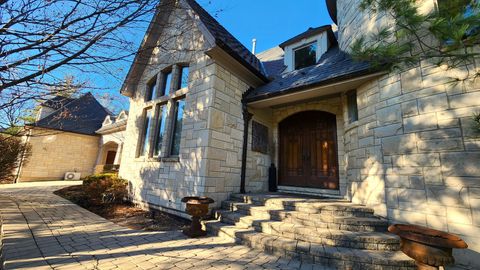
476, 120
12, 149
105, 188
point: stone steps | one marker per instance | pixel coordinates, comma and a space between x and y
344, 221
333, 237
307, 252
304, 206
325, 232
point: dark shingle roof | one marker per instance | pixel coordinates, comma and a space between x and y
335, 65
56, 102
273, 61
228, 42
83, 115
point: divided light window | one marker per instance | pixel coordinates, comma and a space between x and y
352, 106
145, 142
305, 56
161, 133
177, 127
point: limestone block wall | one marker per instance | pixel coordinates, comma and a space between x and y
162, 182
54, 153
224, 151
354, 23
414, 154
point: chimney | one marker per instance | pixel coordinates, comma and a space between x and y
254, 45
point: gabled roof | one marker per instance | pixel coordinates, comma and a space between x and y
57, 102
273, 61
83, 115
228, 42
334, 66
222, 38
310, 32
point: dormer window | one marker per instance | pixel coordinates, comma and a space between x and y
307, 48
305, 56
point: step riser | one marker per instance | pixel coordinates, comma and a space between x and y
349, 243
319, 213
305, 254
313, 220
302, 207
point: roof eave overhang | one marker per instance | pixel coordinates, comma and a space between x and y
244, 71
325, 88
62, 131
332, 9
112, 129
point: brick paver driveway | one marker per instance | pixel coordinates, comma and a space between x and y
44, 231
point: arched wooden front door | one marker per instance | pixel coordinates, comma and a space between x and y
308, 150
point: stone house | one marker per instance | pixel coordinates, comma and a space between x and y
208, 117
72, 135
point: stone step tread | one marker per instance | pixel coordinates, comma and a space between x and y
376, 257
304, 206
369, 237
334, 216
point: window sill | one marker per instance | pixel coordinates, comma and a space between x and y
170, 159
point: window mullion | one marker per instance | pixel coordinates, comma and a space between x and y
155, 128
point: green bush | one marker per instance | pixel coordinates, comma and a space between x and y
476, 120
105, 188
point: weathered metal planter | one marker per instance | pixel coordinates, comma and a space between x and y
429, 248
197, 207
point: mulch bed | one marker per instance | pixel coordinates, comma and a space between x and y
125, 214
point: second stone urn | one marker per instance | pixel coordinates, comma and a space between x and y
197, 207
428, 247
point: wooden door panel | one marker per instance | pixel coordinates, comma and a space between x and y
308, 151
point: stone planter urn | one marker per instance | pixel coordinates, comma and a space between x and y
197, 207
429, 248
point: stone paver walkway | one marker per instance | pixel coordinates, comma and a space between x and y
44, 231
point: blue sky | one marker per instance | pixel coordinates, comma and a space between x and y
269, 21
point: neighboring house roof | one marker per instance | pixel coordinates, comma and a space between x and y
57, 102
273, 61
83, 115
221, 36
335, 65
114, 123
310, 32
